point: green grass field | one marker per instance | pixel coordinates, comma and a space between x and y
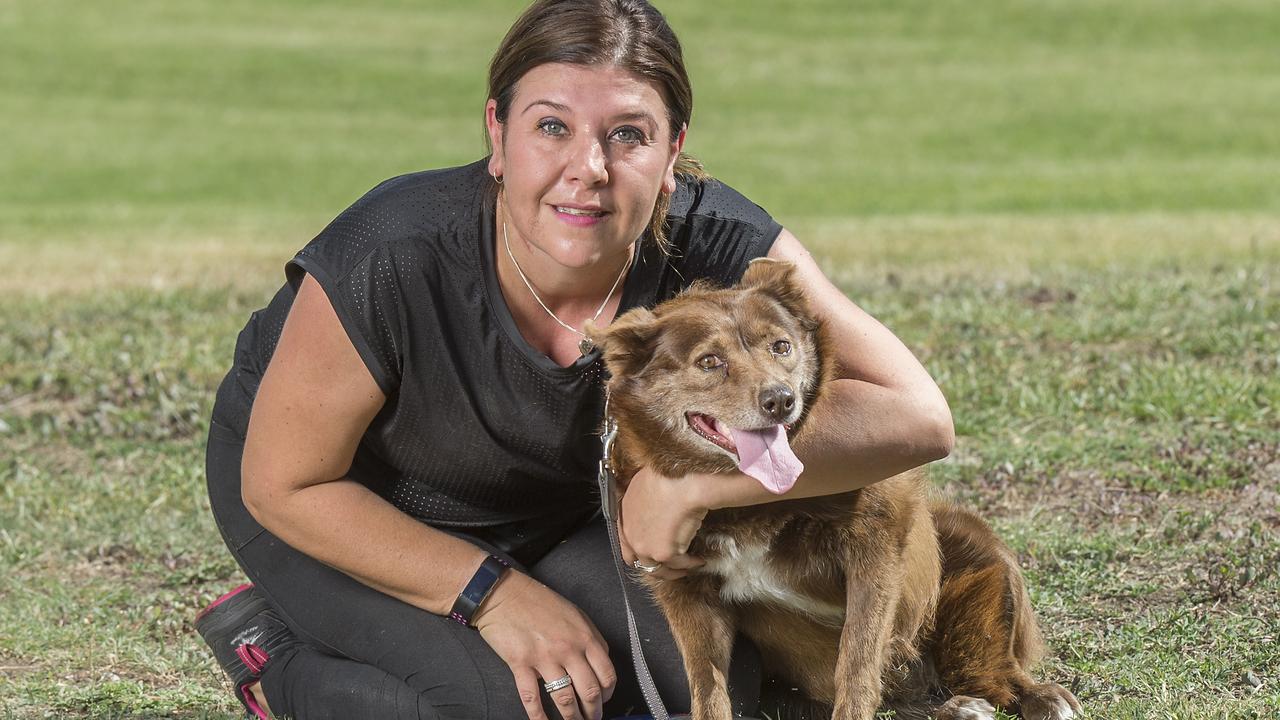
1069, 210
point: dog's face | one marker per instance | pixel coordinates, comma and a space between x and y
713, 380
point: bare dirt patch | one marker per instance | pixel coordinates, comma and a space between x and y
1209, 557
13, 667
1097, 500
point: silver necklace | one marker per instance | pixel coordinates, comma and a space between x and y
584, 345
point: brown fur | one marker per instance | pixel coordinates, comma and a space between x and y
908, 602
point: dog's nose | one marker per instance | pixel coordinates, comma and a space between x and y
777, 402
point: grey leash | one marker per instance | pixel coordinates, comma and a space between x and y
609, 505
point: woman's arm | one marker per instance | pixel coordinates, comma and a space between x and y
315, 402
881, 416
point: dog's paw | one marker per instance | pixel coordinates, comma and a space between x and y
1049, 701
963, 707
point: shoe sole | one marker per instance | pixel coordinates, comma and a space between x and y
225, 612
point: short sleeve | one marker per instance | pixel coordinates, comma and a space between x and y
716, 232
360, 261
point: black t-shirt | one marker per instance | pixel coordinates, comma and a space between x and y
480, 431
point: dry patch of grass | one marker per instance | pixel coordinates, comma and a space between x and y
1022, 247
154, 260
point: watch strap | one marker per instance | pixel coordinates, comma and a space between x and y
477, 589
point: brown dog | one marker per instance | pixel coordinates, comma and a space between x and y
869, 598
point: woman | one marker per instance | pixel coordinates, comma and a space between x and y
415, 411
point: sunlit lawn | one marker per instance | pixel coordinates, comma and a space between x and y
1070, 211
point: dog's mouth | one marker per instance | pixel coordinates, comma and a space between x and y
709, 428
764, 454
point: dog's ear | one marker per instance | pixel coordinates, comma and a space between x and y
778, 279
629, 342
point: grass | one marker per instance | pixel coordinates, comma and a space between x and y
1068, 210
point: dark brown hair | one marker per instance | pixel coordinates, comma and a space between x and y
628, 34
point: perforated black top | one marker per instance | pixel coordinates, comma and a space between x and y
480, 430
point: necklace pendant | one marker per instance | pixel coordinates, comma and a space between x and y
585, 346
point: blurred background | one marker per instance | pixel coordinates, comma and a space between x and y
1069, 209
186, 124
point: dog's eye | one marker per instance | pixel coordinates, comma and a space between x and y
710, 362
781, 347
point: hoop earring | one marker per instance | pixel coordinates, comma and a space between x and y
496, 178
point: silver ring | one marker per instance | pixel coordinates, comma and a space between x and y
555, 685
645, 568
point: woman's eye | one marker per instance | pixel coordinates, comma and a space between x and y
710, 362
552, 127
781, 347
629, 135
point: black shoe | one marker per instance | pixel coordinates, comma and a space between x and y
244, 634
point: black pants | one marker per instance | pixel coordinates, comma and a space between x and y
369, 655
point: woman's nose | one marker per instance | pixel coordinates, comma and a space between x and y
589, 163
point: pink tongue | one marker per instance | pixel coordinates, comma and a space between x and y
766, 456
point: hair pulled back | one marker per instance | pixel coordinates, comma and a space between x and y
627, 34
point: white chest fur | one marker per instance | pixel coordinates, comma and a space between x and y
748, 578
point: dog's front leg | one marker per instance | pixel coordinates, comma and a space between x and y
872, 601
703, 628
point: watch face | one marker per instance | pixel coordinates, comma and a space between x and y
477, 589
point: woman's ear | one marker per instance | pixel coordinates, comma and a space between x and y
494, 127
669, 180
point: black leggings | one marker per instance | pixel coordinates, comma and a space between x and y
369, 655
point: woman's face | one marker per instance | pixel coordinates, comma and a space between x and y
582, 156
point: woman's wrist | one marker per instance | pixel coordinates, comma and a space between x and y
686, 495
723, 490
488, 574
509, 585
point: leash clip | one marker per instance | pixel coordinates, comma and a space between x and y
608, 488
610, 434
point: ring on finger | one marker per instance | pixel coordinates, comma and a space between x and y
645, 568
555, 685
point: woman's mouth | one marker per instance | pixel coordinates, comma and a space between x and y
577, 211
579, 215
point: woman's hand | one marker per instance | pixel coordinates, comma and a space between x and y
543, 637
657, 520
